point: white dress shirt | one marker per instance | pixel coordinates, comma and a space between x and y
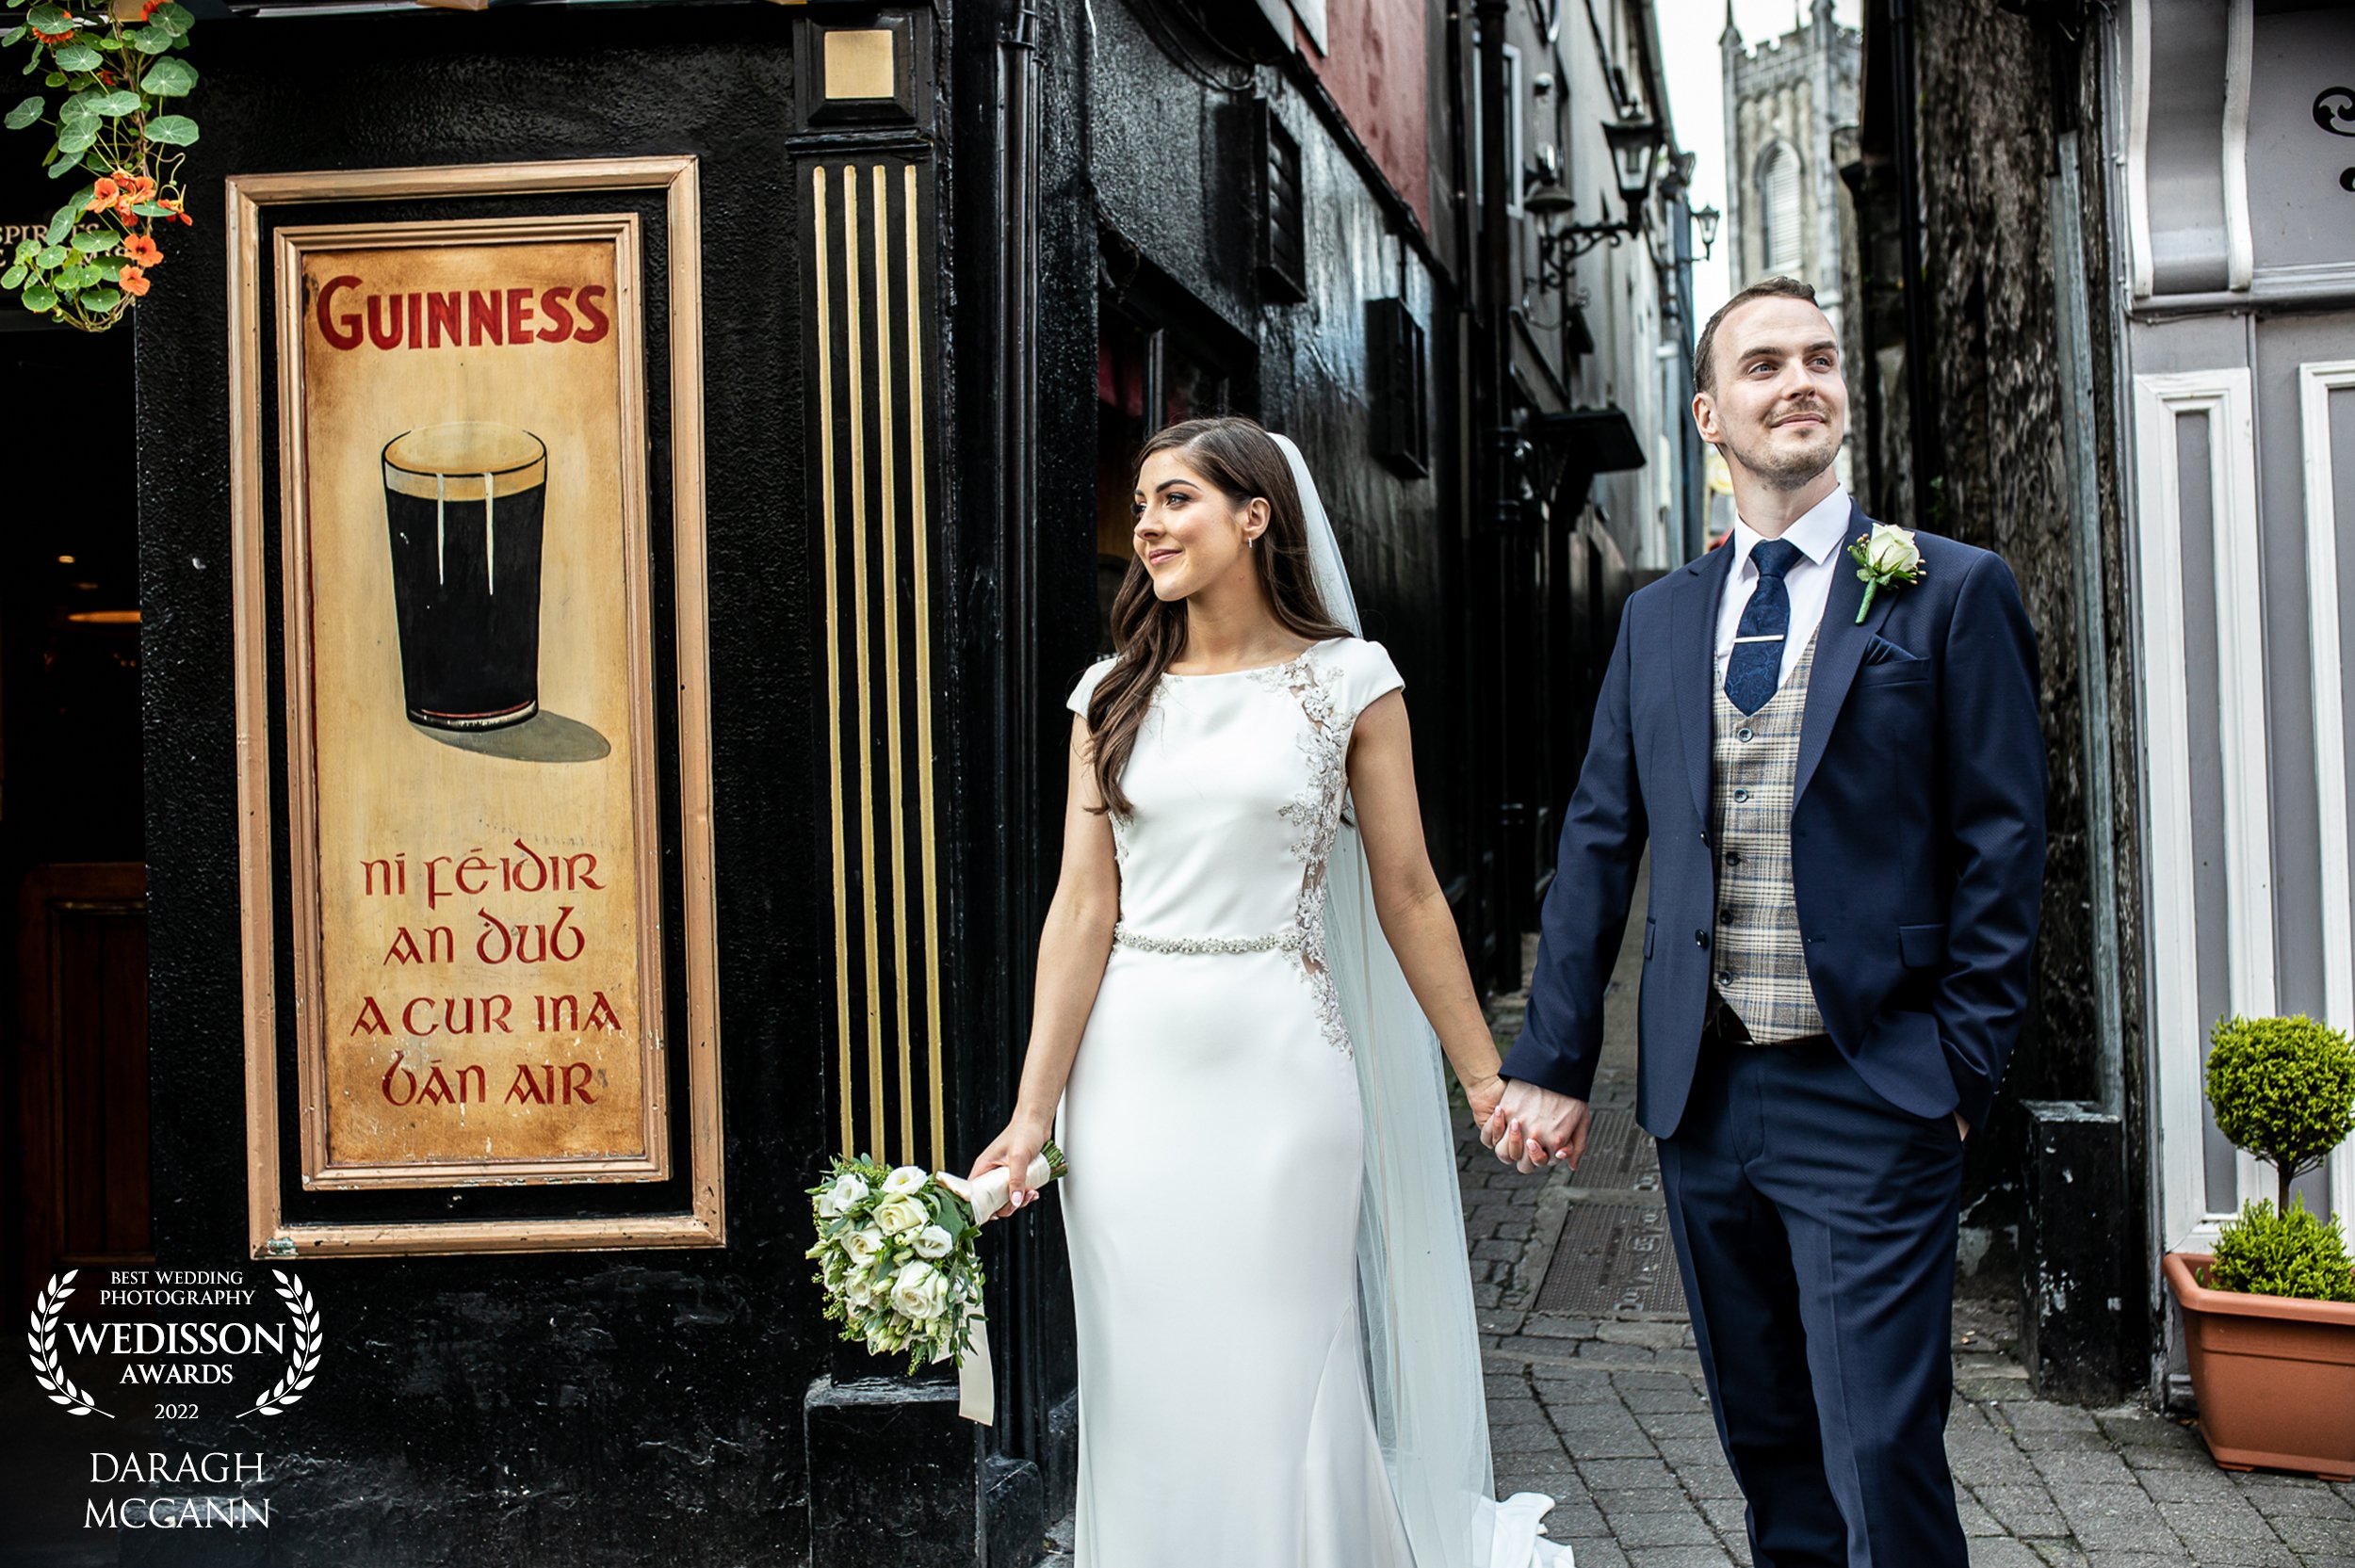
1820, 535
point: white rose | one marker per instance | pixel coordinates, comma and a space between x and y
931, 1241
848, 1191
829, 1207
860, 1292
864, 1246
904, 1181
898, 1215
1892, 550
919, 1291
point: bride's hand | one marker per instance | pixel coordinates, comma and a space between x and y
1015, 1149
1484, 1095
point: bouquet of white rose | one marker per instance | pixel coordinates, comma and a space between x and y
896, 1253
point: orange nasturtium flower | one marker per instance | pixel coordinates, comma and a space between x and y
104, 194
142, 251
133, 280
143, 188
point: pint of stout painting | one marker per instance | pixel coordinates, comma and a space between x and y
465, 504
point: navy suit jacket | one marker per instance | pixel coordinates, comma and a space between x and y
1917, 837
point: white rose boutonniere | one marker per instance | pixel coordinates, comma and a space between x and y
933, 1242
1886, 557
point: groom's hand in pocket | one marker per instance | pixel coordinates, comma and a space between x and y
1535, 1126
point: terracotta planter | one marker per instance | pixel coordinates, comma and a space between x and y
2275, 1377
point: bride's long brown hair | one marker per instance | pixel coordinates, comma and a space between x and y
1235, 456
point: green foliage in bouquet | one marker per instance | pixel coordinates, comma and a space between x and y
897, 1259
2267, 1253
2283, 1089
120, 72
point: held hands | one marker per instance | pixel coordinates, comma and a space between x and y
1531, 1126
1015, 1149
1483, 1094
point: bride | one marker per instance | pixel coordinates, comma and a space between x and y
1278, 1366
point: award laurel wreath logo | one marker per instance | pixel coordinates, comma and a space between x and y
44, 1339
302, 1357
302, 1361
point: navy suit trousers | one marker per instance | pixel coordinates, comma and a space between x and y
1815, 1224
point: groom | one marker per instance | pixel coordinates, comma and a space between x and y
1845, 805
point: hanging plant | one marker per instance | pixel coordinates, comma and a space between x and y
119, 75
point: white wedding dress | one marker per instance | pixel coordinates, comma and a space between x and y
1235, 1411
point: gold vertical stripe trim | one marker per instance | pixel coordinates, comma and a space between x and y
919, 529
887, 451
857, 394
834, 655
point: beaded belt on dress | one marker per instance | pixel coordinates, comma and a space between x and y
1290, 939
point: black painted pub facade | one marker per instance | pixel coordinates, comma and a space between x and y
916, 426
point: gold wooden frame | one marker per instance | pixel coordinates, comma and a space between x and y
703, 1223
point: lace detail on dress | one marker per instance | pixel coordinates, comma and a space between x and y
1315, 815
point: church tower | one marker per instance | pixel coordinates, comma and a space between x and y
1783, 99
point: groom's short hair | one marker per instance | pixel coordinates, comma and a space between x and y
1705, 353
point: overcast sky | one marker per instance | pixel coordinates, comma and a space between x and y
1688, 42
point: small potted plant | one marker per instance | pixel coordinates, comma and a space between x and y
2269, 1319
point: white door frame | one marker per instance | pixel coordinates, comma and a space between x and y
2316, 381
2179, 1033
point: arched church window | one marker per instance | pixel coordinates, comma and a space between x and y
1778, 200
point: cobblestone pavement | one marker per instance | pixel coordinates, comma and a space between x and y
1608, 1416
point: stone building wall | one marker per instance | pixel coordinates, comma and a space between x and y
2011, 98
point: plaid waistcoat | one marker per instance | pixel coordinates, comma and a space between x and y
1759, 959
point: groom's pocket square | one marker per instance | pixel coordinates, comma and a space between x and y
1881, 651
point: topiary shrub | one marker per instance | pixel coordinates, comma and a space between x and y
2267, 1253
2283, 1089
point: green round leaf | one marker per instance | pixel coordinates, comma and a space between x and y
26, 250
78, 56
75, 142
25, 113
101, 298
14, 35
151, 40
53, 78
12, 277
79, 110
90, 241
175, 16
73, 278
47, 19
62, 223
40, 299
69, 163
169, 78
54, 256
114, 105
108, 267
151, 209
177, 130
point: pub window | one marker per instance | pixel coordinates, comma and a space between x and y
1401, 387
1147, 376
1283, 243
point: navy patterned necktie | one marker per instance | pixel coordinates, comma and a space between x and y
1756, 668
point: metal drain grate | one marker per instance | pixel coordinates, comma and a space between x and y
1620, 1156
1614, 1258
